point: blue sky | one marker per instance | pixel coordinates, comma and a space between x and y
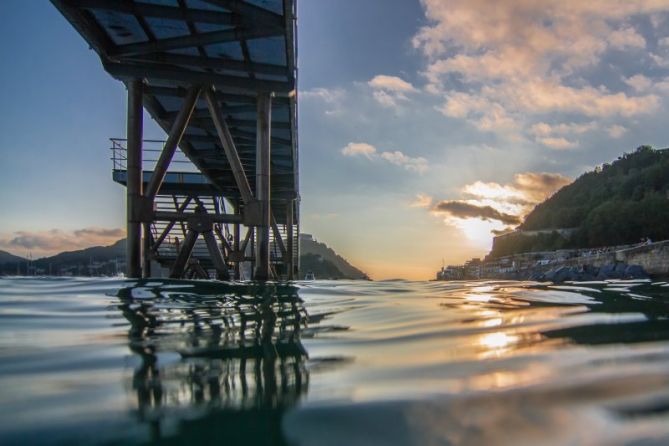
416, 119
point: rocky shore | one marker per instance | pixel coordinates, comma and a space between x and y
589, 272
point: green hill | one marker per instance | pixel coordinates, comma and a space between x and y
617, 203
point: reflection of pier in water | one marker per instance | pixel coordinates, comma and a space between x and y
240, 361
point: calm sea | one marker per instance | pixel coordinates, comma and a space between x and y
91, 361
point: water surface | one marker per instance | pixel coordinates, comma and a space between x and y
330, 363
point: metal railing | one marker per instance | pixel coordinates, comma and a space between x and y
151, 149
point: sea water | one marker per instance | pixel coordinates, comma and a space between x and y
108, 361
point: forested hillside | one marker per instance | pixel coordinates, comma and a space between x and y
617, 203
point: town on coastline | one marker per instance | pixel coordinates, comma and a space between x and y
604, 225
636, 261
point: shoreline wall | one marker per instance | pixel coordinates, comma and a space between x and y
654, 258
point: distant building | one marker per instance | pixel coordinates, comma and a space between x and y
451, 272
472, 269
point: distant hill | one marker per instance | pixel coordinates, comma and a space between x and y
314, 256
95, 254
324, 262
615, 204
6, 257
97, 260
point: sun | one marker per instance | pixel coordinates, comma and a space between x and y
477, 231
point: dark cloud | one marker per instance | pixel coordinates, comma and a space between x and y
99, 232
55, 240
463, 209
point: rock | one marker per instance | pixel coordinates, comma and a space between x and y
564, 273
538, 276
607, 272
620, 269
635, 272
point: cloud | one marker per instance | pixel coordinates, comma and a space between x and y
332, 97
626, 38
53, 241
421, 201
463, 209
502, 64
359, 148
390, 90
507, 203
554, 135
545, 129
616, 131
558, 143
639, 82
418, 164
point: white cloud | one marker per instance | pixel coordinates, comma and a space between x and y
324, 94
392, 83
504, 64
660, 60
626, 38
558, 143
390, 90
639, 82
332, 97
616, 131
418, 164
421, 201
545, 129
359, 148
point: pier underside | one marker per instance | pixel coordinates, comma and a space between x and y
219, 77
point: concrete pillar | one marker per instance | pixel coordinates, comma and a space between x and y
263, 135
134, 179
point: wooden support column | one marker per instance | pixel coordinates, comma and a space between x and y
134, 180
263, 135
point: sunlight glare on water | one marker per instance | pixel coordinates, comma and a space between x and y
332, 363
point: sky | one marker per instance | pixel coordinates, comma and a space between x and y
424, 125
